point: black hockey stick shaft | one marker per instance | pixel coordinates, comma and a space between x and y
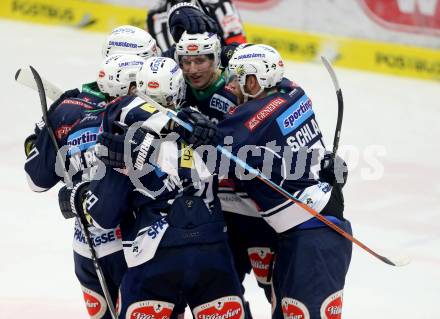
203, 7
81, 219
338, 90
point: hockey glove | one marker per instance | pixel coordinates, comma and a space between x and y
139, 152
114, 142
204, 132
188, 17
74, 202
333, 170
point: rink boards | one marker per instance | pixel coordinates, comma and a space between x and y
346, 52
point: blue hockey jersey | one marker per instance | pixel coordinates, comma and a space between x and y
172, 204
279, 135
75, 121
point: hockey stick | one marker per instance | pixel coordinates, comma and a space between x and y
81, 219
25, 76
215, 18
172, 115
338, 90
203, 7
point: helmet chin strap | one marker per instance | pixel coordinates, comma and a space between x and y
247, 95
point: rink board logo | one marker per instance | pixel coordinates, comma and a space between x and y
82, 139
229, 307
95, 303
295, 115
150, 309
331, 308
294, 309
260, 258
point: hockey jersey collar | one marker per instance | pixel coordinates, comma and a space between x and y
208, 92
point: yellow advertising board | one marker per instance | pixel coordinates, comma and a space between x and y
79, 14
351, 53
299, 46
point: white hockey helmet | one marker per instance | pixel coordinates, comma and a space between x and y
199, 44
117, 72
162, 80
128, 39
261, 60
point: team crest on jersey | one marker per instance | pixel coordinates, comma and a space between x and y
260, 258
331, 308
220, 103
95, 303
295, 115
150, 309
229, 307
294, 309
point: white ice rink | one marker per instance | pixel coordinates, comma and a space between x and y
390, 137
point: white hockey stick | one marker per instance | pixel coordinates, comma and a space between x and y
24, 76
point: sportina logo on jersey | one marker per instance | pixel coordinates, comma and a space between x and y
81, 140
295, 115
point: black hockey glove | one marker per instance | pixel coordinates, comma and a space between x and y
74, 202
204, 132
333, 170
188, 17
140, 148
114, 142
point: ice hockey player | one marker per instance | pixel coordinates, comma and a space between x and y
170, 18
173, 231
199, 58
281, 131
76, 118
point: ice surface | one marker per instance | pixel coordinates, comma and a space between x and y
394, 121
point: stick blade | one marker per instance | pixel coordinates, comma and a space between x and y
332, 73
25, 76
